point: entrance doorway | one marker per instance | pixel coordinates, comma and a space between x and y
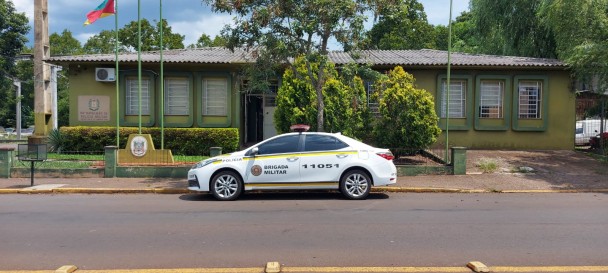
259, 118
270, 106
254, 119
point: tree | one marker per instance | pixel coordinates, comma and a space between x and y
408, 119
296, 100
464, 35
401, 26
103, 43
345, 103
205, 41
64, 44
13, 28
508, 27
150, 36
24, 71
280, 31
581, 37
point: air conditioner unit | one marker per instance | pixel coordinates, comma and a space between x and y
103, 74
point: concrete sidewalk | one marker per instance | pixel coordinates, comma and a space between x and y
470, 183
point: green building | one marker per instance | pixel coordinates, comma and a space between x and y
495, 102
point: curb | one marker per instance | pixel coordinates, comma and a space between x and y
186, 191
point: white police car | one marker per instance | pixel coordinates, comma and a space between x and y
302, 160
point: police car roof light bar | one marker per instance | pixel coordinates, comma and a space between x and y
299, 128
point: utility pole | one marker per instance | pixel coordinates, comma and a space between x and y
17, 84
42, 73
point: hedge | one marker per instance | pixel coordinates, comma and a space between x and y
181, 141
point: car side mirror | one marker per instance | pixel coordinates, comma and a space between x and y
254, 151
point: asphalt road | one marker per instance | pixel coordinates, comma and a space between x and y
41, 232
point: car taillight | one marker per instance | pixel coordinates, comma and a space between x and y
386, 155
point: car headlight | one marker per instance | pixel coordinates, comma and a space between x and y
204, 163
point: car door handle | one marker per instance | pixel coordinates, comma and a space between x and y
341, 156
292, 159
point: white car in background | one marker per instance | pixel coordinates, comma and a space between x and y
297, 161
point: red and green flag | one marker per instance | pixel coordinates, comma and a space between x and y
104, 9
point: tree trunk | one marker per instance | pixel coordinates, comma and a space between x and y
321, 82
321, 110
320, 103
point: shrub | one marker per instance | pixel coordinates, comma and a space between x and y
344, 99
407, 115
296, 100
181, 141
56, 141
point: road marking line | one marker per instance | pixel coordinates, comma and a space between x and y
45, 187
511, 269
179, 270
375, 269
549, 269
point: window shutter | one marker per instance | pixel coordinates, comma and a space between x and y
215, 98
132, 97
177, 96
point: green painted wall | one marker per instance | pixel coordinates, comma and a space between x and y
558, 132
82, 83
554, 131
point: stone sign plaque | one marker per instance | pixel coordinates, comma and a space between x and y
93, 108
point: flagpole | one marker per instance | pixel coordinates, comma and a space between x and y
447, 107
117, 76
139, 58
162, 83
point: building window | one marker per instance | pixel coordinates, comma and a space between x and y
529, 99
457, 98
215, 97
491, 99
132, 96
177, 96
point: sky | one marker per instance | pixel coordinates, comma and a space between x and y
186, 17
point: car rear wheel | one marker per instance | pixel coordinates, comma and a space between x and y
355, 185
226, 186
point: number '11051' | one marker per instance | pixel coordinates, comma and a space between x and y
320, 166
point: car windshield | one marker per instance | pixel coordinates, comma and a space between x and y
579, 130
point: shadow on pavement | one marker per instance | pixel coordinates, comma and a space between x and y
281, 196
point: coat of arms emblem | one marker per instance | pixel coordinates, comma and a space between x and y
93, 104
139, 146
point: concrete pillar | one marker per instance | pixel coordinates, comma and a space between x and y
110, 161
459, 160
6, 161
42, 70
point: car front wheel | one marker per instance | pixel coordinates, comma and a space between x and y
226, 186
355, 185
